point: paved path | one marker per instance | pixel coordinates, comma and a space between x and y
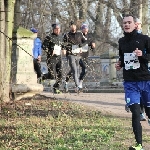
106, 102
112, 103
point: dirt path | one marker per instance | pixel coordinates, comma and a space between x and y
112, 103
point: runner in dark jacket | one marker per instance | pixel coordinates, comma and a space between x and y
73, 44
142, 116
52, 45
135, 73
89, 45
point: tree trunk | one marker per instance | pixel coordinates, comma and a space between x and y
53, 15
17, 20
7, 51
2, 49
83, 4
140, 10
106, 30
125, 7
99, 27
107, 24
134, 8
145, 15
72, 10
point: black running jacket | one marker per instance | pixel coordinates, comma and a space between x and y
128, 44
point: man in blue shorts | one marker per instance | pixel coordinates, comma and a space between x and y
135, 73
142, 116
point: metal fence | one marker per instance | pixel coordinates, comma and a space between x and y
98, 73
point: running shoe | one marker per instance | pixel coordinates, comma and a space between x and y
66, 87
142, 117
78, 90
56, 91
127, 108
136, 147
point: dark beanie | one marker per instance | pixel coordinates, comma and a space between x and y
54, 26
71, 23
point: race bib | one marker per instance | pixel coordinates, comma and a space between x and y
85, 48
75, 49
131, 61
57, 50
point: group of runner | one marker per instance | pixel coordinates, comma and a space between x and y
134, 58
75, 46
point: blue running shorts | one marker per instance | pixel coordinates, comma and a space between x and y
136, 90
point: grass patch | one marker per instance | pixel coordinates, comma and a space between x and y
60, 125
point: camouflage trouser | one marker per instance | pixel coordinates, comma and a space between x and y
54, 70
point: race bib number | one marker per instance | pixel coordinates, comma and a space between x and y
57, 50
85, 48
75, 49
131, 61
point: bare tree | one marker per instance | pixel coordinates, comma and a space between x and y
134, 7
42, 13
7, 12
145, 17
2, 48
83, 6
